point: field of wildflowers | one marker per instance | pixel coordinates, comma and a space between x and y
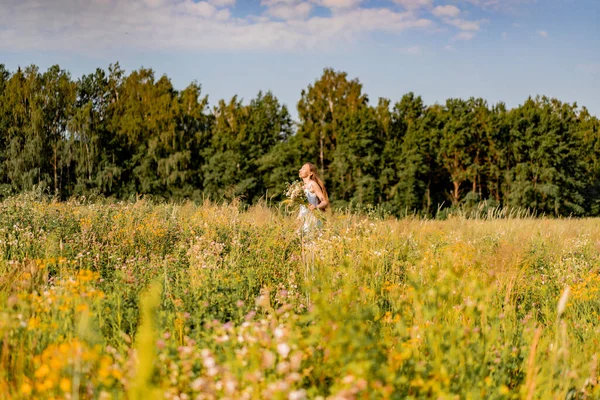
135, 300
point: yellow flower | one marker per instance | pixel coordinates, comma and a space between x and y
63, 348
387, 317
42, 371
103, 371
44, 385
34, 323
117, 374
26, 389
48, 383
65, 385
56, 363
418, 382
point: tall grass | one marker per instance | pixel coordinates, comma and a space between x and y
182, 301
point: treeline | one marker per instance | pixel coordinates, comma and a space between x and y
119, 134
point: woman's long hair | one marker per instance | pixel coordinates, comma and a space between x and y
315, 177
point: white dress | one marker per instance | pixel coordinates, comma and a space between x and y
311, 223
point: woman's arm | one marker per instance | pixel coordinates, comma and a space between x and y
317, 190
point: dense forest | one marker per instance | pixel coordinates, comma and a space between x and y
116, 134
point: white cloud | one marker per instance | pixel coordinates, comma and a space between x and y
413, 4
269, 3
464, 35
449, 13
96, 26
154, 3
449, 47
288, 12
202, 9
467, 28
500, 5
338, 4
543, 34
222, 15
504, 35
446, 11
464, 25
222, 3
366, 20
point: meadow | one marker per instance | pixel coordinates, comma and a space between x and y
132, 300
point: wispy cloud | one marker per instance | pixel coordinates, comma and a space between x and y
289, 10
95, 26
464, 25
222, 3
338, 4
413, 4
448, 11
499, 5
465, 35
412, 50
449, 15
98, 25
543, 34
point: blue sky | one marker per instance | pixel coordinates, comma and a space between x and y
501, 50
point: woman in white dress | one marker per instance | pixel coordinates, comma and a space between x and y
317, 197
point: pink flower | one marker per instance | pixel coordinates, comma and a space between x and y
297, 395
283, 349
268, 360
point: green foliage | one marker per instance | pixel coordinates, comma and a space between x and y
322, 108
122, 135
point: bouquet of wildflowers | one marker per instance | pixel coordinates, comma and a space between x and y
295, 194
